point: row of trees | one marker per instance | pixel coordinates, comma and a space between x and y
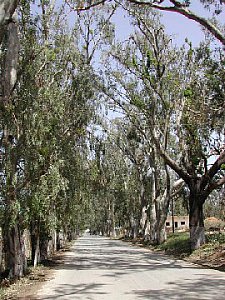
47, 101
64, 166
174, 101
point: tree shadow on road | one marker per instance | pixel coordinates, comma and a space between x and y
205, 287
114, 255
113, 260
67, 290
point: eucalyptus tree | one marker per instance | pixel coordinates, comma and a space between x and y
66, 92
153, 179
91, 32
134, 148
54, 83
9, 147
102, 201
49, 89
38, 112
124, 185
137, 94
172, 90
114, 196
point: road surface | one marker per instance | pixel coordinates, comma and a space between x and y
98, 268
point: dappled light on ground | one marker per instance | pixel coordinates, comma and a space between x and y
99, 268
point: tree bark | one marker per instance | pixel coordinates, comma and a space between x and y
159, 208
36, 251
133, 227
7, 9
196, 221
58, 244
35, 243
113, 231
153, 222
144, 204
157, 223
13, 242
15, 258
161, 234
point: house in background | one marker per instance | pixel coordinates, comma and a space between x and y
180, 223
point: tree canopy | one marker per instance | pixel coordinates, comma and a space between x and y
104, 134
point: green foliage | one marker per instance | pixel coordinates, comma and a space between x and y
134, 61
188, 93
138, 102
172, 96
216, 238
48, 117
177, 244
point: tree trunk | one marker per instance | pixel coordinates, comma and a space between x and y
7, 8
58, 244
133, 227
196, 221
35, 242
162, 204
112, 218
157, 226
15, 259
158, 209
143, 220
13, 243
36, 251
153, 222
144, 204
44, 249
160, 228
161, 234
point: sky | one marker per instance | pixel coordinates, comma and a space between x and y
175, 24
182, 27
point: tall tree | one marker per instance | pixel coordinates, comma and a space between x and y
9, 67
154, 79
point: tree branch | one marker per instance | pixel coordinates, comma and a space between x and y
87, 7
213, 171
171, 163
177, 187
188, 14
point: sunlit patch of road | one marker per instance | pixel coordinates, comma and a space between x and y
100, 268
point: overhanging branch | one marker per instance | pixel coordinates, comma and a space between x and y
85, 7
188, 14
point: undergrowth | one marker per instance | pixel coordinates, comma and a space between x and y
177, 244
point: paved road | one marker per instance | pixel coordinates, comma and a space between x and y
99, 268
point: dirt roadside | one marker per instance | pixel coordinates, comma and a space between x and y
212, 257
27, 287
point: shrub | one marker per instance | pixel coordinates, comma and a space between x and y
214, 224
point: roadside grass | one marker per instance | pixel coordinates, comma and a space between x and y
214, 247
211, 254
177, 244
